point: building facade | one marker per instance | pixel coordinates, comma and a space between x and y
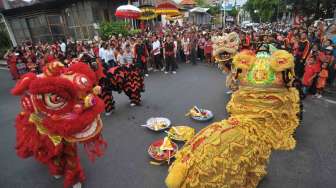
51, 20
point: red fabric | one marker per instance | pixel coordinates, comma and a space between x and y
96, 51
208, 47
310, 71
11, 62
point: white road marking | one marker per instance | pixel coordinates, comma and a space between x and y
330, 101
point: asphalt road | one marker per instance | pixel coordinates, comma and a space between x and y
126, 163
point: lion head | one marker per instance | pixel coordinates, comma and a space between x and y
62, 102
225, 47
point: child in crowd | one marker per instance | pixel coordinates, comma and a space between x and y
322, 80
310, 72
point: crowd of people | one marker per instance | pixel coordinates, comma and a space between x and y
314, 49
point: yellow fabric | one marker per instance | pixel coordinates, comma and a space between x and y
234, 153
33, 118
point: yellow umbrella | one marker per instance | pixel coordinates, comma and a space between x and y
147, 12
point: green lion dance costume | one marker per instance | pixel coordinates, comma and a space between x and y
233, 153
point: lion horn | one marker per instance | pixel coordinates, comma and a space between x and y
54, 68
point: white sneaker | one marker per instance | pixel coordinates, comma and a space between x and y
229, 92
108, 113
57, 176
166, 72
319, 96
174, 72
150, 69
133, 104
146, 75
155, 70
162, 69
77, 185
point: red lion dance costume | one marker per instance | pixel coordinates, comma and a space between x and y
60, 108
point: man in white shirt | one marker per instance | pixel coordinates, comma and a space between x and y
63, 47
102, 52
156, 47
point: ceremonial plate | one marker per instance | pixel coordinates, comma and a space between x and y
206, 115
158, 123
155, 153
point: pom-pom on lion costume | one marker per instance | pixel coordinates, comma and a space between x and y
263, 116
60, 108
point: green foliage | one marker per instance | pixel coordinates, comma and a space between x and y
134, 32
266, 9
319, 8
201, 3
108, 29
213, 10
5, 42
233, 12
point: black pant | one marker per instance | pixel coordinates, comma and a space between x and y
142, 66
299, 67
170, 62
157, 61
201, 54
193, 57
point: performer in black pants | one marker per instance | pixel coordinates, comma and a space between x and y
170, 56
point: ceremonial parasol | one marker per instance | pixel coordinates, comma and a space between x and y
188, 3
172, 17
147, 12
166, 7
128, 11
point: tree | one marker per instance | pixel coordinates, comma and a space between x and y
233, 12
264, 9
318, 8
201, 3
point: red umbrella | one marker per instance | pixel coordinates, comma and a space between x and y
128, 11
167, 7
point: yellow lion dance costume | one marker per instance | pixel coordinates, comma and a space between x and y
233, 153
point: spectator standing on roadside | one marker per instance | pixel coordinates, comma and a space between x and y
170, 55
208, 50
156, 47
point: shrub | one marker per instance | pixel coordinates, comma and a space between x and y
108, 29
5, 43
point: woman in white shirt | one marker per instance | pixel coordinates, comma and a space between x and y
109, 56
120, 57
128, 55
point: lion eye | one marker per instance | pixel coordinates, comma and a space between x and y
53, 101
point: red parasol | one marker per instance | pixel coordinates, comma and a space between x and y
128, 11
166, 7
